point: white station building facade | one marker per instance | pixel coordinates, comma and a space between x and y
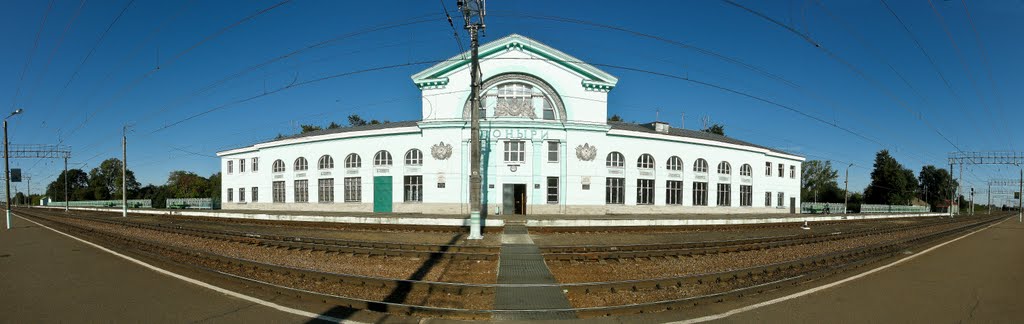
547, 149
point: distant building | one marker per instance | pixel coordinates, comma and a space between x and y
547, 145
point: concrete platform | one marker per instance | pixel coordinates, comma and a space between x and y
46, 277
531, 220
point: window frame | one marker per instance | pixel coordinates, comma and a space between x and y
231, 166
231, 195
278, 192
414, 157
278, 166
412, 188
615, 191
555, 145
255, 164
241, 195
700, 166
674, 163
768, 169
674, 192
325, 190
724, 168
700, 193
300, 193
645, 161
511, 154
549, 192
767, 198
614, 159
645, 192
255, 194
353, 190
724, 195
746, 170
326, 162
781, 200
353, 161
241, 165
301, 164
746, 196
792, 172
382, 159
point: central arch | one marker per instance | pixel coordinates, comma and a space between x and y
546, 88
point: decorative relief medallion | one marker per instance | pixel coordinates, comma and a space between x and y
441, 151
586, 152
517, 107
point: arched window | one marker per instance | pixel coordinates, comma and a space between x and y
353, 161
646, 161
326, 162
278, 166
414, 157
301, 164
674, 164
724, 168
746, 170
382, 158
700, 165
615, 159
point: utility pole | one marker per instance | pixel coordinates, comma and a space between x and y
124, 171
66, 195
846, 190
989, 198
972, 201
952, 191
1020, 202
473, 13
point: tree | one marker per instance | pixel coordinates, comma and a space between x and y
936, 185
715, 129
78, 186
818, 182
891, 184
355, 120
213, 190
309, 128
184, 184
375, 122
157, 194
105, 180
615, 118
333, 125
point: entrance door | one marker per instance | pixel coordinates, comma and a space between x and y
513, 198
382, 194
792, 205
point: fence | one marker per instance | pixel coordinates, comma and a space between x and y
821, 208
132, 203
868, 208
193, 203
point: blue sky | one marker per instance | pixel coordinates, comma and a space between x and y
869, 76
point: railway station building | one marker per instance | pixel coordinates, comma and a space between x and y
547, 149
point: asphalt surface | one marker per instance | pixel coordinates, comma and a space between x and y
978, 279
46, 277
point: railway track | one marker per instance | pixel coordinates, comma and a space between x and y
715, 287
635, 251
457, 252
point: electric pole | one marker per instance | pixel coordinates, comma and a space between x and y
846, 190
124, 171
473, 13
66, 195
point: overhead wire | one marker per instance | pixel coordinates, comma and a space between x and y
31, 55
53, 52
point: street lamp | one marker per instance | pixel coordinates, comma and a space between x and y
7, 168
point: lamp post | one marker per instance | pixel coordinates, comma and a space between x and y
7, 168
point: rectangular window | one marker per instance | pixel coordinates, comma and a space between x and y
255, 164
515, 151
673, 192
277, 191
700, 193
644, 192
767, 198
241, 165
792, 172
615, 191
414, 188
552, 190
768, 169
782, 198
782, 170
255, 195
724, 194
301, 191
325, 192
746, 196
552, 151
231, 167
241, 194
230, 195
353, 190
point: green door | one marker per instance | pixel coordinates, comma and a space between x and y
382, 194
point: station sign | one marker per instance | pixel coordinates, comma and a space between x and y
15, 175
